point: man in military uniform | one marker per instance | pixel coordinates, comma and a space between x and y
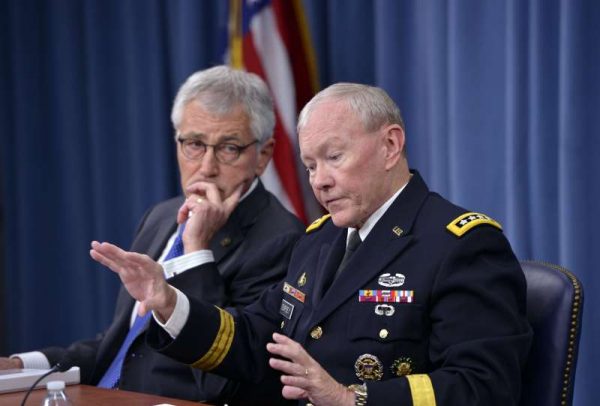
396, 296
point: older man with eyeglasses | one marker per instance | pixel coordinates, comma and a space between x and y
224, 241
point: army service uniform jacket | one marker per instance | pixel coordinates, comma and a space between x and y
251, 251
430, 310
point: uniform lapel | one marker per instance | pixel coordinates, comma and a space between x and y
153, 240
390, 236
329, 258
226, 240
370, 259
231, 235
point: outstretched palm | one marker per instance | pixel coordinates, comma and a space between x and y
141, 275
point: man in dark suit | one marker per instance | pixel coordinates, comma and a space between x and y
396, 297
234, 237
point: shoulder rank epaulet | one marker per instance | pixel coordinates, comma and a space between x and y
465, 222
315, 225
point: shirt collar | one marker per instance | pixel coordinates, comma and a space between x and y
374, 218
250, 189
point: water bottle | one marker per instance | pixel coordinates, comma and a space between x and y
56, 394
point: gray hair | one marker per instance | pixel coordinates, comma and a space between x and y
372, 105
220, 89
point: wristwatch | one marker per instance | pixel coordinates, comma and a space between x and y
360, 394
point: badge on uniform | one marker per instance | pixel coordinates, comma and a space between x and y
386, 296
368, 368
402, 366
290, 290
302, 279
286, 309
397, 230
391, 281
384, 310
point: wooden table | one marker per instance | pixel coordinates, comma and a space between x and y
84, 395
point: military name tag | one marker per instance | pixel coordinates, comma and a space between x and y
286, 309
290, 290
385, 296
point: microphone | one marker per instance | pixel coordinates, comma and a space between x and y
61, 366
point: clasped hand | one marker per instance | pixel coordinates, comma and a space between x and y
204, 213
303, 377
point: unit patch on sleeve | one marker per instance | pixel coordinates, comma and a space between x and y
465, 222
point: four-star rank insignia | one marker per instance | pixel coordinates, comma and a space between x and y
465, 222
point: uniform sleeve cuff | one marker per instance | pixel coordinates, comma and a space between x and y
182, 263
177, 321
33, 360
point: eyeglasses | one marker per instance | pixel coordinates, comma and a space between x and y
225, 152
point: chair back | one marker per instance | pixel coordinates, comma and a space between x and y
554, 310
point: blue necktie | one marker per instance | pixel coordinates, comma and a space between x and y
112, 375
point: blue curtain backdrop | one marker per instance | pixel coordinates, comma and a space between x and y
501, 101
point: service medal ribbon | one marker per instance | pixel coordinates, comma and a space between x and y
290, 290
386, 296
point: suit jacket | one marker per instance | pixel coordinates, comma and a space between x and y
431, 305
251, 252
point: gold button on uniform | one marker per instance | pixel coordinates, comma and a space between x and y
316, 332
282, 324
383, 333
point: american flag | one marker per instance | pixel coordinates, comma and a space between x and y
271, 39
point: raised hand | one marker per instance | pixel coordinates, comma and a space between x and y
141, 275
